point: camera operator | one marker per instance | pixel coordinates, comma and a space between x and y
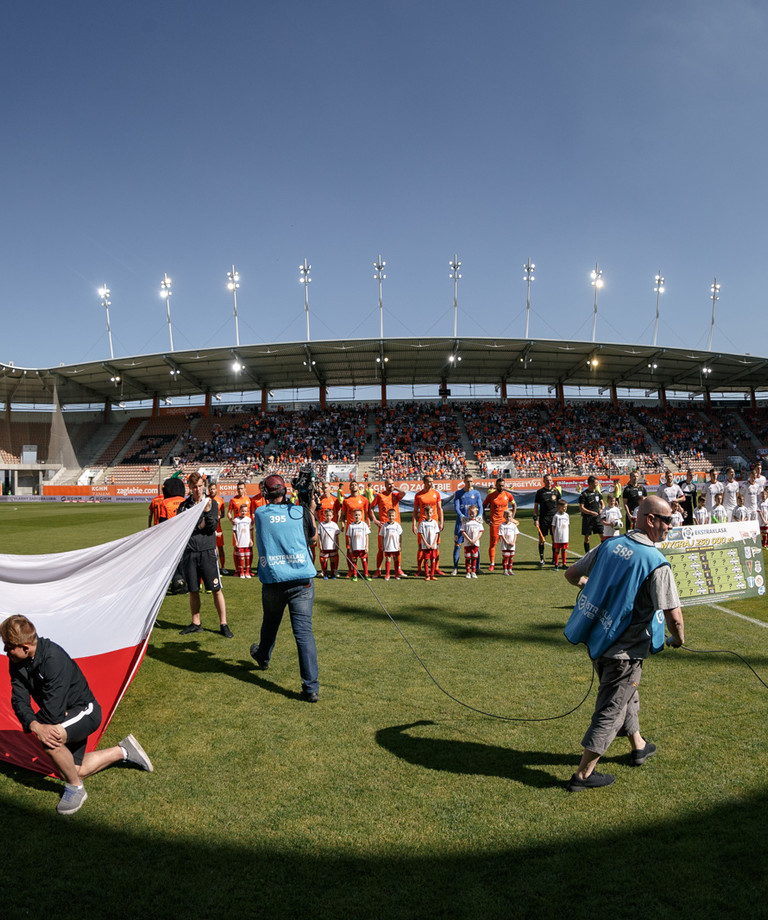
284, 533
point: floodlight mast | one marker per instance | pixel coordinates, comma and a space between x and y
715, 292
380, 276
658, 290
597, 283
233, 283
455, 277
166, 292
305, 280
104, 293
529, 276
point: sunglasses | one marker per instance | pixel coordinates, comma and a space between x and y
665, 518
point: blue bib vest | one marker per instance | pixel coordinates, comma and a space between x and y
283, 551
604, 608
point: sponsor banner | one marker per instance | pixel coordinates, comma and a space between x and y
716, 562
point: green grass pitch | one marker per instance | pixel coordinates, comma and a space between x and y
387, 799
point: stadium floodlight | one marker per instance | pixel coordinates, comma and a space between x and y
104, 293
305, 280
658, 289
715, 292
233, 283
455, 277
380, 276
236, 366
166, 292
597, 283
528, 269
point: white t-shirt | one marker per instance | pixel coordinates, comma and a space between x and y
428, 533
358, 535
241, 531
730, 491
611, 519
473, 530
740, 513
671, 493
719, 515
710, 490
390, 537
677, 519
752, 493
328, 532
561, 524
763, 513
700, 516
508, 534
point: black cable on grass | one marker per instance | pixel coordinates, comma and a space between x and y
725, 651
450, 696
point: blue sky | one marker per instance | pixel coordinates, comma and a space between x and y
183, 137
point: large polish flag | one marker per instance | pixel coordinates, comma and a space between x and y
99, 604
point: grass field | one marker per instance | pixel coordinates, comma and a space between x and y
387, 799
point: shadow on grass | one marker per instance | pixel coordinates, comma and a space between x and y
714, 867
470, 757
190, 656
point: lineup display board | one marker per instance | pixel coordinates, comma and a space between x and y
716, 562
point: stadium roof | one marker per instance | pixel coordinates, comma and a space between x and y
402, 361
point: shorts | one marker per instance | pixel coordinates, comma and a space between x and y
79, 724
202, 564
508, 553
545, 525
328, 553
590, 525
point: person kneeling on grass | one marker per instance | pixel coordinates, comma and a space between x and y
42, 671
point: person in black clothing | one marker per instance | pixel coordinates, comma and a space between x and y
199, 560
633, 494
590, 505
689, 490
544, 509
68, 713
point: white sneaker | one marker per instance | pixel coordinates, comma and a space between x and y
248, 575
455, 572
467, 575
242, 576
474, 574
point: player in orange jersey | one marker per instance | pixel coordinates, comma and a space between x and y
384, 502
498, 500
328, 500
154, 510
424, 498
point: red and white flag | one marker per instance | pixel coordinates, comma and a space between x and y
99, 604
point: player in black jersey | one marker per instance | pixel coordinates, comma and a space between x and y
590, 505
544, 510
633, 494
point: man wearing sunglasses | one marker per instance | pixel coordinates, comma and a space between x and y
625, 582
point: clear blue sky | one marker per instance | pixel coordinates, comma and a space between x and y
180, 137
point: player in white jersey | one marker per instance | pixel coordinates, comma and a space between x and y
762, 516
508, 532
669, 490
711, 489
429, 534
357, 534
561, 528
242, 539
472, 529
731, 488
328, 536
391, 535
700, 513
751, 492
610, 517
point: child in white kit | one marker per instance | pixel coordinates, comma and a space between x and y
357, 534
610, 517
243, 542
700, 514
677, 514
391, 541
561, 526
762, 516
508, 535
429, 534
472, 529
328, 535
